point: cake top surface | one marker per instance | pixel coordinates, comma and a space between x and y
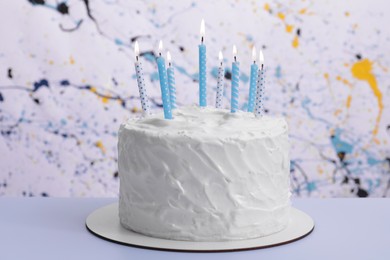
194, 121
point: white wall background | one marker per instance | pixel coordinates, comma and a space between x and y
67, 81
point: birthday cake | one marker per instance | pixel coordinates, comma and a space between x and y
206, 175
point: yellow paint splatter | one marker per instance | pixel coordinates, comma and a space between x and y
71, 60
347, 14
326, 75
281, 16
295, 42
267, 7
362, 70
93, 89
51, 62
105, 100
349, 100
134, 110
100, 145
289, 28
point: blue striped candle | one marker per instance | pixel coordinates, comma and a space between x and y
141, 83
202, 68
252, 84
235, 82
259, 107
171, 82
162, 72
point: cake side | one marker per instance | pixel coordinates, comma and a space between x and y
207, 175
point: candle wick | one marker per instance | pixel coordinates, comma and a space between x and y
235, 58
202, 39
262, 66
136, 57
169, 64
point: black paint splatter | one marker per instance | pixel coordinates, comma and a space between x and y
9, 73
37, 2
64, 82
44, 194
362, 193
181, 48
358, 56
298, 32
1, 97
116, 175
41, 83
63, 8
228, 75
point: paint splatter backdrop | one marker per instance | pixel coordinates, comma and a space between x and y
67, 80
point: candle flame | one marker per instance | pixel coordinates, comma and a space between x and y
234, 52
261, 58
160, 47
169, 58
202, 30
220, 56
136, 49
254, 54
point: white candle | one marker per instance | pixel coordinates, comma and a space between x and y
221, 76
259, 107
141, 83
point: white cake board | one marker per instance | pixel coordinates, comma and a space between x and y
104, 223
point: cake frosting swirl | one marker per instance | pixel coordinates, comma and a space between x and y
206, 175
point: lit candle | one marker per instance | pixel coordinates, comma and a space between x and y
235, 81
171, 81
141, 83
164, 84
252, 84
259, 107
221, 75
202, 67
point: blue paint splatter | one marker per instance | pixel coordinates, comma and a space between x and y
118, 41
154, 76
278, 72
339, 145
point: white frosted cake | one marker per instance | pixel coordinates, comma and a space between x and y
206, 175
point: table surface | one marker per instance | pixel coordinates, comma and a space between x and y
54, 228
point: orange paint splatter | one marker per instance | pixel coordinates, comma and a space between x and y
326, 75
100, 145
349, 100
362, 70
337, 112
289, 28
302, 11
320, 170
295, 42
71, 60
281, 16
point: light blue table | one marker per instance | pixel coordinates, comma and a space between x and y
48, 228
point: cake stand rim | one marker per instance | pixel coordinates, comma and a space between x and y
178, 249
